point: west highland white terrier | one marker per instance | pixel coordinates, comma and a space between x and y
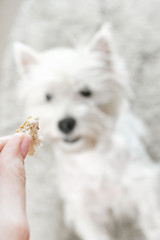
104, 176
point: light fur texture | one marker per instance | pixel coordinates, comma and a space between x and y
105, 180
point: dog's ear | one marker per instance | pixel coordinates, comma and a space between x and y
102, 40
25, 57
103, 43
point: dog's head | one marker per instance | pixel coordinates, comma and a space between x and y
77, 93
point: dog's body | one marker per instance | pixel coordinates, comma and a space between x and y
104, 193
104, 178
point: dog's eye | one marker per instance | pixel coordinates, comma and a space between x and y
86, 93
49, 96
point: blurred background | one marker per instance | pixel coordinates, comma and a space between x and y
8, 12
43, 24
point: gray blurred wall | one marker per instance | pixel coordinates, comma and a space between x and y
8, 9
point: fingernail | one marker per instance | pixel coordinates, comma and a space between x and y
25, 144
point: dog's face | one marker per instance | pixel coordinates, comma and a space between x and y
76, 93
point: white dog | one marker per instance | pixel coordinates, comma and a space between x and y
107, 182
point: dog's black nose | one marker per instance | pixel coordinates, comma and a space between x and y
67, 125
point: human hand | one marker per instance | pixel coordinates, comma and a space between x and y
13, 221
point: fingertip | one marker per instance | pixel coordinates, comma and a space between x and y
17, 145
25, 144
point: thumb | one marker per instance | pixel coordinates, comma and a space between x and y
17, 144
12, 174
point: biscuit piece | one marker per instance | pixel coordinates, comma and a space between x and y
31, 127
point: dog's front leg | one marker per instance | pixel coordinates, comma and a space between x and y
86, 226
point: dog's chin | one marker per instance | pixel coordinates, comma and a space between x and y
75, 144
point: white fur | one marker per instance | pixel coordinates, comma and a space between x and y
106, 176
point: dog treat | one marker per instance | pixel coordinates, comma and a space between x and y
31, 127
